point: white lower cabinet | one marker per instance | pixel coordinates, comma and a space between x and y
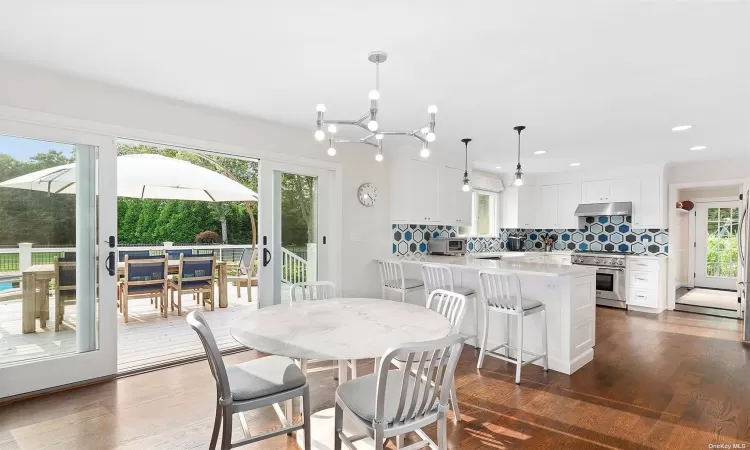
645, 284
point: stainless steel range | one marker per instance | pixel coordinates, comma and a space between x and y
610, 275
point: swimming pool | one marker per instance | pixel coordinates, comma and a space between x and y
9, 283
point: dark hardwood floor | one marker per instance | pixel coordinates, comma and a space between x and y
675, 380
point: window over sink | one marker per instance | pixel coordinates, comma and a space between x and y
484, 206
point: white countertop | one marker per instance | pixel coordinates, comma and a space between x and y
520, 268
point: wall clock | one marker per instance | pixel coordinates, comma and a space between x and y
367, 194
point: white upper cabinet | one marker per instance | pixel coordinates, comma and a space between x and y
605, 191
647, 208
528, 199
595, 191
557, 205
425, 193
519, 206
624, 190
454, 203
568, 199
546, 216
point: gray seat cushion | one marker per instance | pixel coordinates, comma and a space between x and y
264, 376
465, 291
359, 396
525, 303
409, 283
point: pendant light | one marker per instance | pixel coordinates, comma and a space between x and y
466, 187
519, 173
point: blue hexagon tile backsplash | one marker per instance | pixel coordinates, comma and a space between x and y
602, 233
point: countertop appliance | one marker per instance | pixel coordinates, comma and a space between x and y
447, 246
515, 243
610, 275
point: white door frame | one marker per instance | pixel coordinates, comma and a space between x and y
47, 373
269, 230
699, 251
674, 227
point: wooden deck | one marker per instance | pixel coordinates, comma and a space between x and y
146, 339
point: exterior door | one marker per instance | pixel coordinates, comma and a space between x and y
297, 214
716, 244
58, 209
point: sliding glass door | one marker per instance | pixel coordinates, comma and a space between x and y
295, 224
57, 228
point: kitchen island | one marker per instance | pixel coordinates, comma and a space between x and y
568, 292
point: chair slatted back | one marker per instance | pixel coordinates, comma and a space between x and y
450, 305
146, 271
317, 290
437, 276
65, 276
219, 371
247, 261
196, 268
501, 290
426, 377
177, 254
392, 274
133, 254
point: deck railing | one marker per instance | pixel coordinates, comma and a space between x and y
294, 268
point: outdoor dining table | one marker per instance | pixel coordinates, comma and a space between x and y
35, 281
337, 329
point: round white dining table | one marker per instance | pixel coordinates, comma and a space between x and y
337, 329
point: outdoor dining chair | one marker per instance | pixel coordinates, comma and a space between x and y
144, 278
195, 275
245, 270
392, 402
65, 287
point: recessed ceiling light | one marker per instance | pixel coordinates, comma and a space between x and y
682, 127
540, 152
698, 147
575, 164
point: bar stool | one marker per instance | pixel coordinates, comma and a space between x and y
440, 276
392, 279
501, 292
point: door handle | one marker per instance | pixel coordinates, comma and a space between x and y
109, 264
266, 257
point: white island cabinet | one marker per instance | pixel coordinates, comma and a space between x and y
568, 292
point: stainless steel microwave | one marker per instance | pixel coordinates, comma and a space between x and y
447, 246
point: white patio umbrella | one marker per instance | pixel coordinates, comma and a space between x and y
145, 176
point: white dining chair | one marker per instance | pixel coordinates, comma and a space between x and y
251, 385
392, 279
318, 290
501, 293
393, 402
453, 307
440, 276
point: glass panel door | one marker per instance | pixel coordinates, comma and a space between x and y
717, 252
57, 299
293, 216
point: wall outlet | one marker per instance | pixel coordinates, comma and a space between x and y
551, 285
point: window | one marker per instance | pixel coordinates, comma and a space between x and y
484, 213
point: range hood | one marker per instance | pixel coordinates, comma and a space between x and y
604, 209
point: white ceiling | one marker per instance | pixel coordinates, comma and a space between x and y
597, 82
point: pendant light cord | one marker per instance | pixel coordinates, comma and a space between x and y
466, 160
519, 147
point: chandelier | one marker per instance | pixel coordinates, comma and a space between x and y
369, 122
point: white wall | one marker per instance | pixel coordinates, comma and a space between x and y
126, 113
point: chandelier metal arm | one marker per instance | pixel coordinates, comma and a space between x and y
368, 121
